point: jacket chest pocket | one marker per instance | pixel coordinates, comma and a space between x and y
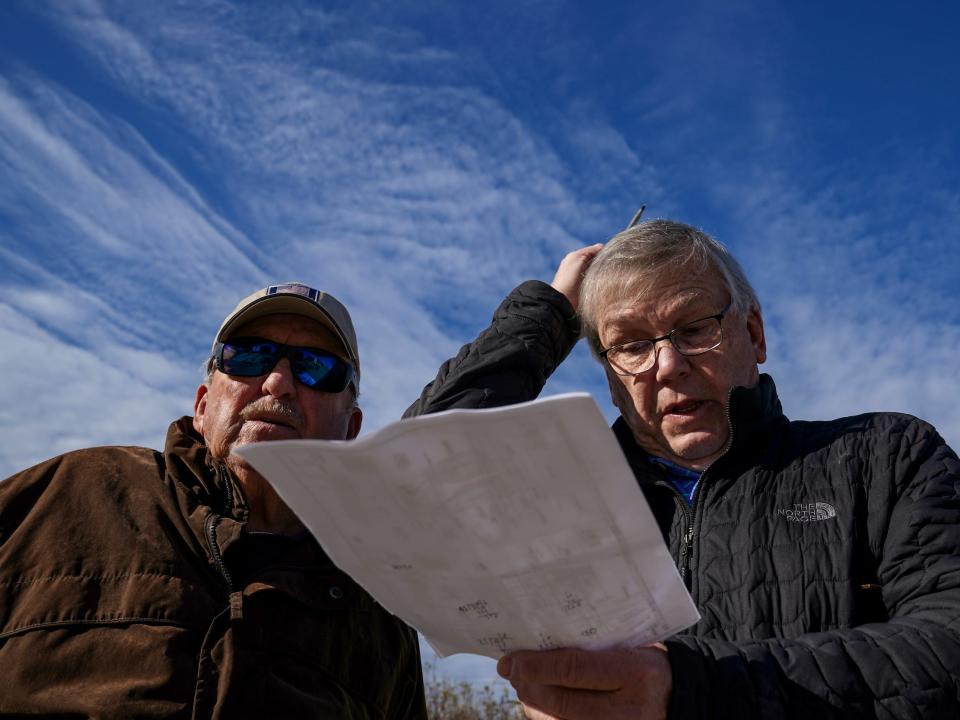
65, 600
819, 560
776, 565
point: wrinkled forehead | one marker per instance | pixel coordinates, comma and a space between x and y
659, 295
652, 307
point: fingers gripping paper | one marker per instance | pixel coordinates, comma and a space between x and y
491, 530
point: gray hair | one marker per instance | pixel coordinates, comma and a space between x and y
209, 365
632, 261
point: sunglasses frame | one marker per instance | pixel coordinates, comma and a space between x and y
287, 351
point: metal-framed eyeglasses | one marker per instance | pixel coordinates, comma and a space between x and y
694, 338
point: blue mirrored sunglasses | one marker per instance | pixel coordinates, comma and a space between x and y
253, 357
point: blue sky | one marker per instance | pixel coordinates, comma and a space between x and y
419, 159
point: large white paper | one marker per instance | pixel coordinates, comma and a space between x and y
491, 530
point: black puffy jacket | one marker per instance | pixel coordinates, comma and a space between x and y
824, 557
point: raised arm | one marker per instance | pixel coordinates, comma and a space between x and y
531, 333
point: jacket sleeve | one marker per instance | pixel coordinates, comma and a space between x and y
532, 331
906, 667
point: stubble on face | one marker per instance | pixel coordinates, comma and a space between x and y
235, 411
678, 409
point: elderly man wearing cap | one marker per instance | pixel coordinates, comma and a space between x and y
138, 583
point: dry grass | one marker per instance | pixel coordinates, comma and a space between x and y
462, 701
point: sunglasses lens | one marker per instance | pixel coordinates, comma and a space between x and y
248, 358
253, 357
320, 371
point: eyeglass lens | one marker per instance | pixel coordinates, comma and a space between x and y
694, 338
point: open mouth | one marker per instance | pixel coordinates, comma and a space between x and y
687, 407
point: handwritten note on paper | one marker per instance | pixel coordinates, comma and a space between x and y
491, 530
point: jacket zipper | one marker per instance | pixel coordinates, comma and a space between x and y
234, 599
211, 527
686, 550
681, 502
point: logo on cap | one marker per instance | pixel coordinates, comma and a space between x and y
294, 289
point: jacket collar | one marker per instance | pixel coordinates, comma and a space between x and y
754, 411
199, 481
189, 460
201, 477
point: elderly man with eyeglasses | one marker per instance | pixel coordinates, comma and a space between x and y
824, 557
145, 584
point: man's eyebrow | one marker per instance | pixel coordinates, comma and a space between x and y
625, 321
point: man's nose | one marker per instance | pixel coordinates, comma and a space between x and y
279, 382
671, 363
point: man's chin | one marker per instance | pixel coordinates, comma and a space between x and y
697, 450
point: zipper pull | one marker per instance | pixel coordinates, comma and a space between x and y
236, 605
685, 552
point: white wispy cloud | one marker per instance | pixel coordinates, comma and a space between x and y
389, 195
860, 302
857, 270
105, 239
48, 409
854, 326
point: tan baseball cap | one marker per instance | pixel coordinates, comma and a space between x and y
297, 299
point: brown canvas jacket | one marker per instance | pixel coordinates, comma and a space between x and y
128, 589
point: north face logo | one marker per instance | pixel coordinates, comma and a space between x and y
808, 512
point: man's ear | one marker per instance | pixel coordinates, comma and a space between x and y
758, 337
199, 408
354, 423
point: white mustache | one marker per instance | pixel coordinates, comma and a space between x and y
271, 406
